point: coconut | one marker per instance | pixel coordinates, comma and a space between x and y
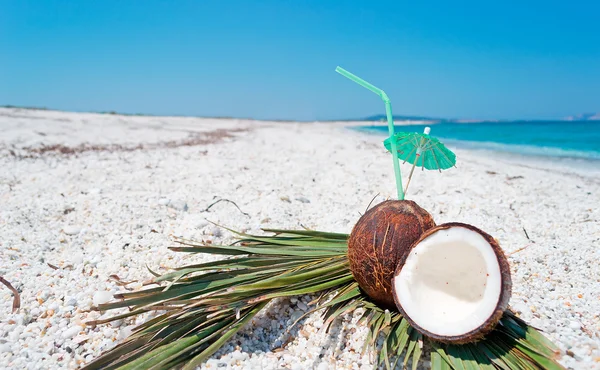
454, 284
378, 241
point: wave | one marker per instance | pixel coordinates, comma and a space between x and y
531, 150
578, 148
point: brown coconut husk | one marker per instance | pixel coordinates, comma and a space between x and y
501, 305
378, 241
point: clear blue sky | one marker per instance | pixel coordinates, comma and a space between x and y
276, 59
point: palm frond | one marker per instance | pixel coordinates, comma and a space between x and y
206, 304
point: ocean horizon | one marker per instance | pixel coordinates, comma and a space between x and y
578, 140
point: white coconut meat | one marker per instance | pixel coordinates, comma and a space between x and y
450, 283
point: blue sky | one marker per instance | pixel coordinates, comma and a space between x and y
276, 59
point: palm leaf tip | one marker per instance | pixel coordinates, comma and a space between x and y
210, 302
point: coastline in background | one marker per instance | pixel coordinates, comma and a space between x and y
565, 140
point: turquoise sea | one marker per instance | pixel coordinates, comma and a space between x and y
559, 139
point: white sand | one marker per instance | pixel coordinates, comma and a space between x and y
102, 212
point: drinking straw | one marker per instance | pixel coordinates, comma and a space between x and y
388, 112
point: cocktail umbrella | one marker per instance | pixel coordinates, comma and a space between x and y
421, 150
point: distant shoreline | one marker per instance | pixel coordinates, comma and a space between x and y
558, 144
376, 120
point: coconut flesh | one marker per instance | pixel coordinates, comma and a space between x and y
454, 284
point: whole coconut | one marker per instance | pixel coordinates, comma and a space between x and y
378, 241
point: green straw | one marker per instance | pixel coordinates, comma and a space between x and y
390, 120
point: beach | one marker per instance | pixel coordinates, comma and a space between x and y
90, 201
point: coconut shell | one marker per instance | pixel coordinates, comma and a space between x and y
378, 241
505, 289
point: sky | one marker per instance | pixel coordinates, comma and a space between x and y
276, 59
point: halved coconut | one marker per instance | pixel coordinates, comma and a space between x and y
454, 284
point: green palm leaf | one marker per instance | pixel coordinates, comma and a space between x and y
206, 304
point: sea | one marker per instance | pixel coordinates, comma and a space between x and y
566, 141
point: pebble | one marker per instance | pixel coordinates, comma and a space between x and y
124, 332
72, 230
94, 191
4, 348
80, 339
303, 200
71, 332
70, 301
296, 315
102, 297
179, 205
239, 356
520, 307
323, 366
216, 232
574, 325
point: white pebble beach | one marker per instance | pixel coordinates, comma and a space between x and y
88, 201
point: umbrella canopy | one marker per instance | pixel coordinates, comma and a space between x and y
422, 150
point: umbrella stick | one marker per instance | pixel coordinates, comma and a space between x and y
419, 148
410, 176
390, 120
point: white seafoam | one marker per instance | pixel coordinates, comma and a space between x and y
451, 282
